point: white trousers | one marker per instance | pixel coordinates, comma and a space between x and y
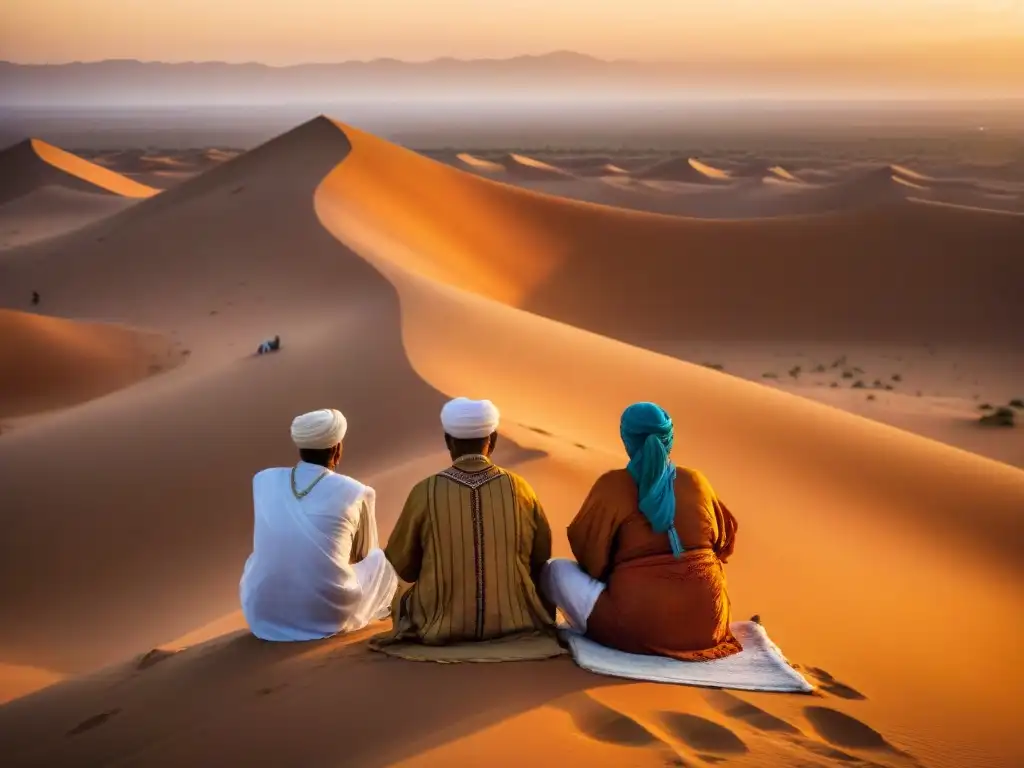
565, 584
378, 581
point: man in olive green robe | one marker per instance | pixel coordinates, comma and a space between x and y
472, 541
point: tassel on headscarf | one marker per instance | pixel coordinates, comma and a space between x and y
647, 433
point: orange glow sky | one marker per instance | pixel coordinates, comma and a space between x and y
293, 31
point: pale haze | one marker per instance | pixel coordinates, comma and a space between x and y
280, 33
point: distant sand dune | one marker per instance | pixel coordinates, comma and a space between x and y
782, 173
685, 169
907, 183
907, 173
33, 164
523, 167
47, 363
479, 164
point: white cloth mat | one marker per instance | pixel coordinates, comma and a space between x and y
760, 666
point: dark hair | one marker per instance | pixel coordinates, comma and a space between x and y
462, 446
319, 456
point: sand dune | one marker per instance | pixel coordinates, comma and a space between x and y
533, 263
219, 287
907, 173
523, 167
782, 173
46, 363
393, 279
33, 164
54, 210
686, 169
479, 164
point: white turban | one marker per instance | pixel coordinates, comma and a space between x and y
464, 418
319, 429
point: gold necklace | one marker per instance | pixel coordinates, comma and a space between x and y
300, 495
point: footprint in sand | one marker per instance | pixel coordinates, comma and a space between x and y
605, 724
829, 684
841, 730
92, 722
703, 736
538, 430
738, 709
755, 717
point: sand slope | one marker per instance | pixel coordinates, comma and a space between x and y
54, 210
890, 273
47, 363
393, 279
33, 163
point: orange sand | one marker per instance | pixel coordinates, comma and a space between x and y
395, 281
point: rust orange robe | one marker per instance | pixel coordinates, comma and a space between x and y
655, 603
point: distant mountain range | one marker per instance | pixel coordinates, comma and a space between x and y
968, 65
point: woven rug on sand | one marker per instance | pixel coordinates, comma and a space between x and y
760, 666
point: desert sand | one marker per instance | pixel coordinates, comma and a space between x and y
885, 562
46, 191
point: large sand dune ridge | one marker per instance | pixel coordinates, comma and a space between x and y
34, 163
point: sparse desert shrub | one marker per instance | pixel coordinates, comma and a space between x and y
985, 407
919, 393
847, 374
1017, 403
858, 384
857, 369
1000, 417
871, 397
795, 371
769, 375
714, 366
839, 362
888, 387
897, 377
834, 385
819, 368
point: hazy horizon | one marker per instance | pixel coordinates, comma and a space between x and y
925, 47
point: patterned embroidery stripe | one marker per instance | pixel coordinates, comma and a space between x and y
478, 557
472, 480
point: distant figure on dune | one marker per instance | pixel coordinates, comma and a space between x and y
316, 568
472, 541
270, 345
35, 298
649, 542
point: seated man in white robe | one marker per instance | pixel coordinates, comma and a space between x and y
316, 568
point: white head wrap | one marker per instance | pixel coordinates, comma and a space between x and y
319, 429
464, 418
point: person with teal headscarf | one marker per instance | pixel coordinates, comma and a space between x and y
647, 432
650, 541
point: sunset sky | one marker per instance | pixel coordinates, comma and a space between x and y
294, 31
